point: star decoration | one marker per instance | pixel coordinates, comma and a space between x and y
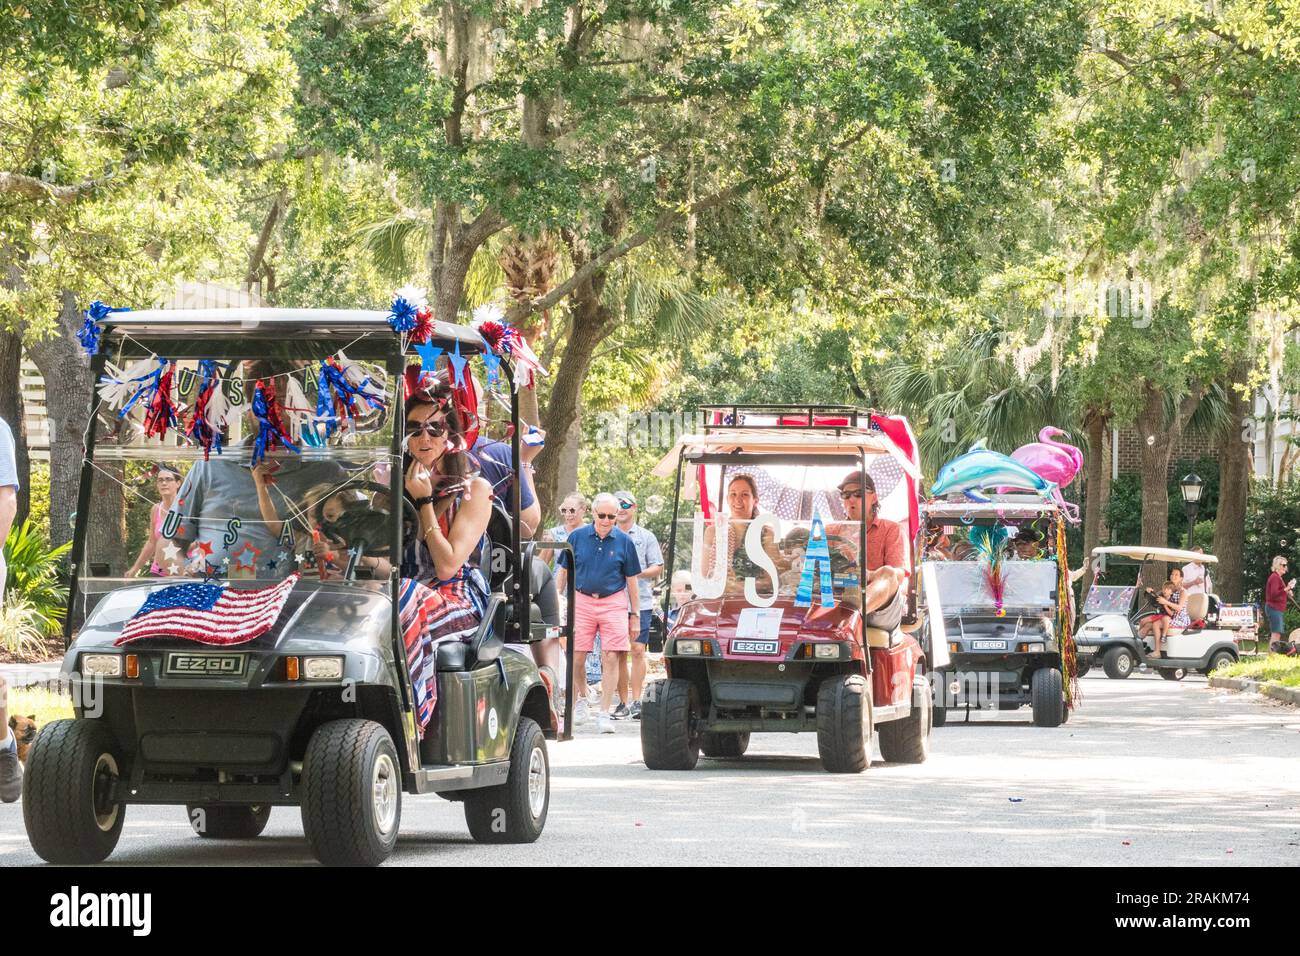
251, 567
270, 565
210, 572
172, 567
428, 355
458, 363
171, 552
282, 556
204, 548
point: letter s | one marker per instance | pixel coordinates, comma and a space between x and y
755, 552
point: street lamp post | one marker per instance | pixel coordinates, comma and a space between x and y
1190, 487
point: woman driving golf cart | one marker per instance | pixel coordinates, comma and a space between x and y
742, 504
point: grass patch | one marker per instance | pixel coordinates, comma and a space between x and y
1275, 667
47, 705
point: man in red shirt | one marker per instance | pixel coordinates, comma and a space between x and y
883, 600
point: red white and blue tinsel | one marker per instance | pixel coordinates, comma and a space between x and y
270, 425
208, 420
344, 393
506, 341
410, 315
161, 414
138, 382
89, 333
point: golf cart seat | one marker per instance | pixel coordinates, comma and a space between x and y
1198, 606
878, 637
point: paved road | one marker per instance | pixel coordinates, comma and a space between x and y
1147, 772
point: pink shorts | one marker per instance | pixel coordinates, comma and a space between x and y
610, 614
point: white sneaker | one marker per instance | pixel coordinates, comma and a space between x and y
580, 711
593, 698
604, 724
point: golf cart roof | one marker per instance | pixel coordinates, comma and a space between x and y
783, 440
1002, 507
274, 323
1139, 552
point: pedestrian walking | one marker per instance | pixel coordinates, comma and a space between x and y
605, 570
1276, 593
651, 557
11, 771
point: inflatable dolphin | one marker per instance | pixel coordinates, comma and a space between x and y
980, 468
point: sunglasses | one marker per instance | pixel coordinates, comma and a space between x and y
846, 495
431, 428
605, 517
568, 511
627, 505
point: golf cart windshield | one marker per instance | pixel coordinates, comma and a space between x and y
1027, 586
1109, 599
765, 521
184, 511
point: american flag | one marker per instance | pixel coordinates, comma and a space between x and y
208, 613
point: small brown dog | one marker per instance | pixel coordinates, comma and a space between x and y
24, 729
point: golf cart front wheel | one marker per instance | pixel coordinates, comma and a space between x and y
1173, 673
351, 793
1118, 663
1047, 696
668, 737
724, 745
845, 723
908, 740
221, 822
515, 811
67, 804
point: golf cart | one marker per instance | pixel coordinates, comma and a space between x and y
999, 620
1114, 609
320, 711
773, 640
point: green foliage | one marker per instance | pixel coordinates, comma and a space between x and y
1124, 510
1272, 528
23, 629
33, 575
38, 491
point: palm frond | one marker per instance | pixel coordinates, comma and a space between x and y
397, 246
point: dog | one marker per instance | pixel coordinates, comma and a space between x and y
24, 730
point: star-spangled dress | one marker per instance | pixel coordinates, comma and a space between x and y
432, 611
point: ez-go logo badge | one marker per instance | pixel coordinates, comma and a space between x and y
206, 665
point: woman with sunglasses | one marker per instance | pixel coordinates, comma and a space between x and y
742, 508
573, 514
440, 557
167, 481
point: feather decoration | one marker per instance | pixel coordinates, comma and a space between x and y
162, 403
990, 544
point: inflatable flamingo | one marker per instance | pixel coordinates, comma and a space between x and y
1053, 460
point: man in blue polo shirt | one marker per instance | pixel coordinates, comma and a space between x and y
605, 567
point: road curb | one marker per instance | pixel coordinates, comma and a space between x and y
1287, 695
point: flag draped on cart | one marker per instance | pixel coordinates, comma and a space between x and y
208, 613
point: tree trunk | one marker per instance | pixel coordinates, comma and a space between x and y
1094, 485
11, 410
1234, 490
567, 481
591, 324
65, 368
1157, 436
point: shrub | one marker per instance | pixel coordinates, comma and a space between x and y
1272, 527
22, 629
33, 578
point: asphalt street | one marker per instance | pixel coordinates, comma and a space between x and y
1146, 772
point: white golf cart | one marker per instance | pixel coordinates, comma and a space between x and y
1118, 601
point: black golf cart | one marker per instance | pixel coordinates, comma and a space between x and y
1003, 653
320, 711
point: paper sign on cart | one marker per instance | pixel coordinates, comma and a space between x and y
763, 623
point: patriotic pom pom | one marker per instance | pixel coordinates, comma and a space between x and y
271, 431
162, 404
89, 333
208, 420
403, 316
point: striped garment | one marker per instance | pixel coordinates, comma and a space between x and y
430, 616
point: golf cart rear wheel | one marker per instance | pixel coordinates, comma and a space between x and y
1219, 661
1173, 673
1046, 692
908, 740
1082, 668
71, 769
938, 712
724, 745
844, 723
221, 822
1118, 663
668, 737
515, 811
351, 793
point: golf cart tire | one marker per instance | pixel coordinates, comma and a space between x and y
505, 813
1114, 663
724, 745
224, 822
667, 742
1081, 668
908, 740
844, 723
938, 712
1046, 690
1172, 673
59, 785
1219, 660
339, 771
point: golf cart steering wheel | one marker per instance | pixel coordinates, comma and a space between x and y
380, 548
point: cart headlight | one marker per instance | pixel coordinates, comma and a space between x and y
829, 652
101, 665
1036, 648
322, 668
691, 648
